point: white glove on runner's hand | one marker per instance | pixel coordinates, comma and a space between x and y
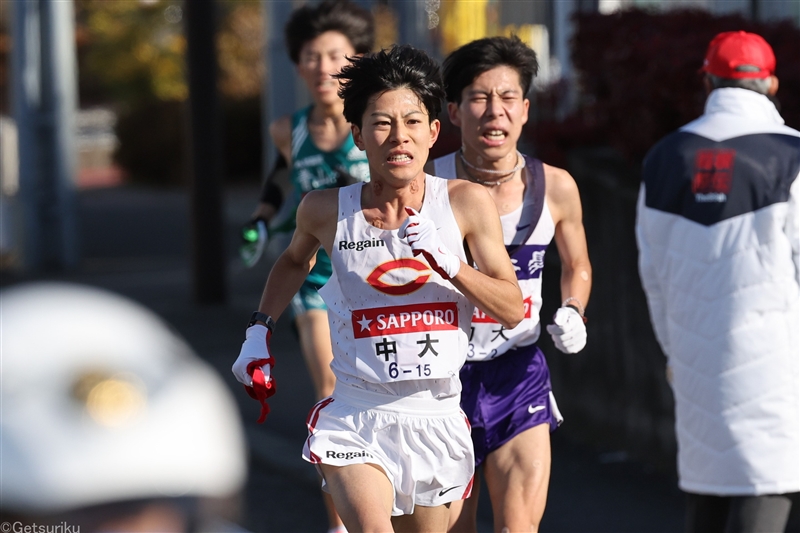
254, 348
568, 330
420, 232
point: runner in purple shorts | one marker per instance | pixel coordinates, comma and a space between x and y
506, 383
507, 396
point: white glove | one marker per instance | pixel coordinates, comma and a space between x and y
420, 232
568, 330
254, 348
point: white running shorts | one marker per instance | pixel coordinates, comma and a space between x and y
422, 445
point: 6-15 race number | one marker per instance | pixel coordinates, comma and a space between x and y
422, 370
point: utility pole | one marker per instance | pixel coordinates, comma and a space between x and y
205, 155
414, 23
44, 100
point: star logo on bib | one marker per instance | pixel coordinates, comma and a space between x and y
364, 322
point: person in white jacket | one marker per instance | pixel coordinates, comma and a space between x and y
717, 229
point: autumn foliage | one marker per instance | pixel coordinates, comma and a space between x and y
132, 58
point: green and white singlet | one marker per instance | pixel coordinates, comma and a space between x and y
314, 169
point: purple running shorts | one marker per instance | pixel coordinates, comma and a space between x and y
505, 396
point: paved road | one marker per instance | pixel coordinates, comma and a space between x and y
136, 242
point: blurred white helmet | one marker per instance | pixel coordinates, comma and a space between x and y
100, 402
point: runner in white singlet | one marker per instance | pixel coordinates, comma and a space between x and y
398, 330
391, 442
392, 319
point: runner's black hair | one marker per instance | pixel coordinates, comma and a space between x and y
465, 64
310, 21
400, 67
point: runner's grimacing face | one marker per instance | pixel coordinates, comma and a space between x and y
319, 60
397, 135
491, 114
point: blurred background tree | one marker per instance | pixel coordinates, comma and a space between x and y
131, 52
131, 58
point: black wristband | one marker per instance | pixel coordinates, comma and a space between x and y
261, 317
575, 307
272, 195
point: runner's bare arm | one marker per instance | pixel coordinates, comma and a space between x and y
565, 202
493, 286
281, 132
316, 222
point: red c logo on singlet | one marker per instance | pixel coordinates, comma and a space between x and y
374, 279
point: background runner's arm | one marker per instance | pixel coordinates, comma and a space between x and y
271, 194
493, 287
281, 133
254, 234
271, 199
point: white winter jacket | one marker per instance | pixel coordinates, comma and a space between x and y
717, 228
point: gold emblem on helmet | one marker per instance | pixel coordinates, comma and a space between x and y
111, 401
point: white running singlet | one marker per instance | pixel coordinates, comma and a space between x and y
397, 327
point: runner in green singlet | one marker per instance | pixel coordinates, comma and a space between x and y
313, 168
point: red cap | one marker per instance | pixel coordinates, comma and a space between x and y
737, 55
